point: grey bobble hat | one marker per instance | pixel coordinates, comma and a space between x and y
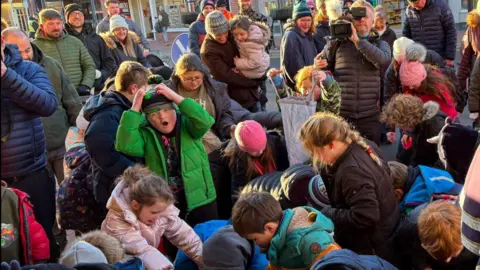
82, 252
216, 23
416, 52
117, 21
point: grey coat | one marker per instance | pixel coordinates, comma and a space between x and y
357, 71
433, 26
104, 27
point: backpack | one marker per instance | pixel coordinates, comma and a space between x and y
158, 26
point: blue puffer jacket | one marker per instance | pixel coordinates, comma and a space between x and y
196, 34
433, 26
26, 95
347, 259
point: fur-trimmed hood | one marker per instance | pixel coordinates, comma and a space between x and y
430, 108
112, 42
259, 33
473, 19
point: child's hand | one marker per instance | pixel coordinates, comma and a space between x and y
236, 70
391, 137
168, 93
407, 142
138, 101
235, 59
274, 72
319, 76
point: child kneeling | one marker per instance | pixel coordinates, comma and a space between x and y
141, 211
294, 238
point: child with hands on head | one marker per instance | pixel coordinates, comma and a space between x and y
171, 143
141, 212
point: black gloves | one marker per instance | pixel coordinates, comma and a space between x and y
83, 90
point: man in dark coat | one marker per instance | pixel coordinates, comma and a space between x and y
431, 23
356, 65
104, 111
56, 126
102, 57
27, 95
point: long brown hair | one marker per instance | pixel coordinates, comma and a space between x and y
431, 82
232, 151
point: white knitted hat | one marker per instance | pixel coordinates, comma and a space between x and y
400, 47
117, 21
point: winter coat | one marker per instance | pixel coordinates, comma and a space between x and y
165, 22
297, 50
104, 27
363, 204
433, 26
217, 91
223, 248
136, 137
322, 31
219, 59
389, 36
118, 51
238, 169
474, 91
34, 245
101, 55
142, 240
299, 232
411, 254
104, 111
447, 107
392, 84
357, 71
68, 102
469, 54
71, 54
470, 203
27, 95
254, 60
197, 34
347, 259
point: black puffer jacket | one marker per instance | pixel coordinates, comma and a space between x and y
357, 71
474, 91
433, 26
101, 55
392, 84
363, 205
319, 37
389, 36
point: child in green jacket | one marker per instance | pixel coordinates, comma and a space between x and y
171, 143
292, 239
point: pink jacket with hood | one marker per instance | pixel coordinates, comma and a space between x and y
254, 60
142, 240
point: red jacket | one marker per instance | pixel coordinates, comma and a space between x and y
35, 243
447, 107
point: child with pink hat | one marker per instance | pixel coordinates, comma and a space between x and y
253, 152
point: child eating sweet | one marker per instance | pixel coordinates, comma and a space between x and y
252, 38
141, 211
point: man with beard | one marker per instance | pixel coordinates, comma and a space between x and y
68, 102
102, 57
55, 42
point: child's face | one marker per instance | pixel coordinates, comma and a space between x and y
149, 214
307, 86
263, 239
163, 120
240, 34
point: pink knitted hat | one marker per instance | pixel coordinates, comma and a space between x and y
250, 136
412, 73
310, 3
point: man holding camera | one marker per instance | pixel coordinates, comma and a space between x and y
431, 23
355, 58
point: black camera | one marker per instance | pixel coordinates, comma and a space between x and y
340, 30
358, 12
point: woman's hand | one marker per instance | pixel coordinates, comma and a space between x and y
232, 130
354, 37
274, 72
138, 101
391, 137
169, 93
407, 142
320, 61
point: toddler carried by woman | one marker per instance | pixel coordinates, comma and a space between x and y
252, 38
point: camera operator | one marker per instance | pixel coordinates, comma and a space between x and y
355, 62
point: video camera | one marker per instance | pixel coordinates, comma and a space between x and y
341, 29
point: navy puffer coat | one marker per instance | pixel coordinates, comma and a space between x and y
26, 95
433, 26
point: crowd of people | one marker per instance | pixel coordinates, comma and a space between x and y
111, 160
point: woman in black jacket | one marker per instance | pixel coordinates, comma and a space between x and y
363, 205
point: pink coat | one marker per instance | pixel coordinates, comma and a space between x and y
254, 60
142, 240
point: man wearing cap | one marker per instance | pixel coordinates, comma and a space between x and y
68, 102
218, 54
102, 57
113, 8
70, 52
196, 32
221, 5
431, 23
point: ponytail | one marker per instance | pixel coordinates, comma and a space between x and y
356, 138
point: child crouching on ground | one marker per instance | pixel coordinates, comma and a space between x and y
141, 211
416, 185
294, 238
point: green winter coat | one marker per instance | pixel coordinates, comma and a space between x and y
68, 102
136, 137
71, 54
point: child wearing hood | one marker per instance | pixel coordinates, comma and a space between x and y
252, 39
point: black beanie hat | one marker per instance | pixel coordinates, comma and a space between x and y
221, 3
70, 8
153, 102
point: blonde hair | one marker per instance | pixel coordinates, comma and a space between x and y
146, 187
323, 128
303, 74
109, 245
129, 73
403, 111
